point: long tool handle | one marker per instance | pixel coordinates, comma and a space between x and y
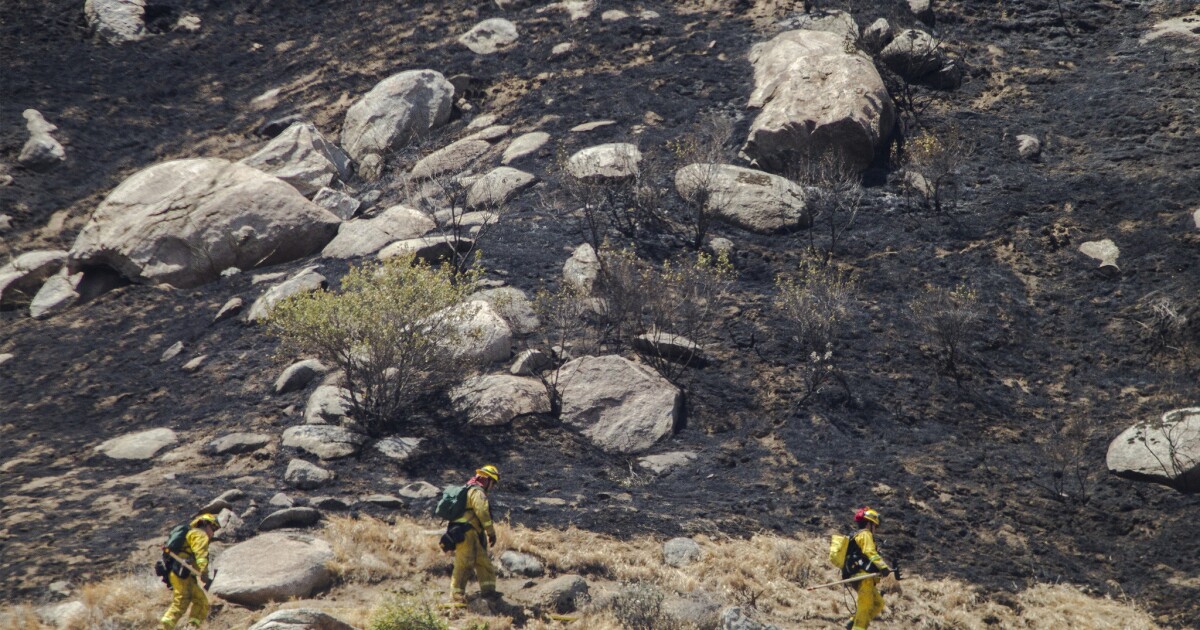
857, 578
189, 568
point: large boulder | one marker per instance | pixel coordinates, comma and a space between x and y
816, 98
302, 157
605, 163
497, 187
298, 375
184, 222
21, 277
1166, 451
495, 399
451, 158
272, 567
363, 237
328, 404
484, 335
290, 517
324, 440
582, 268
116, 21
622, 406
300, 619
305, 476
399, 108
919, 58
513, 305
41, 151
750, 199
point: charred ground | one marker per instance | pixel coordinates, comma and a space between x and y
957, 466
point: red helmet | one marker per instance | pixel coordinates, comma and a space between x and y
866, 514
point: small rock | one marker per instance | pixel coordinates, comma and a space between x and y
489, 36
1029, 147
56, 295
384, 501
171, 352
721, 247
530, 362
560, 50
237, 443
305, 476
5, 220
260, 278
516, 563
339, 203
613, 15
483, 121
452, 158
41, 152
496, 399
298, 375
582, 268
605, 163
399, 449
328, 404
64, 615
194, 364
61, 587
877, 36
592, 126
563, 595
139, 446
216, 506
116, 21
232, 495
669, 346
497, 187
281, 500
922, 9
420, 490
579, 9
733, 618
6, 357
1104, 251
524, 146
290, 517
323, 440
305, 281
230, 309
680, 552
329, 503
666, 462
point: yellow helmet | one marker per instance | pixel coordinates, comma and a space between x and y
490, 472
206, 519
867, 514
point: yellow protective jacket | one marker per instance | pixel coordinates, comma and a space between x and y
478, 512
196, 550
866, 543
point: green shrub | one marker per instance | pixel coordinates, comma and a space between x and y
393, 330
400, 614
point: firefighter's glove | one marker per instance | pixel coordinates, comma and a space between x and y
885, 572
491, 538
207, 579
897, 573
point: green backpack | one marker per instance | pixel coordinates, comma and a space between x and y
453, 503
177, 538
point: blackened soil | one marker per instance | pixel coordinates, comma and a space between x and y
960, 465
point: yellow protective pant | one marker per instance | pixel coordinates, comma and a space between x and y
870, 603
184, 593
468, 555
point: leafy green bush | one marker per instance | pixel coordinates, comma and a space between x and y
400, 614
393, 330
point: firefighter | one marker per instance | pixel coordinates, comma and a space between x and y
867, 561
186, 590
471, 553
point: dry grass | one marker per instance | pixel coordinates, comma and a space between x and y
767, 573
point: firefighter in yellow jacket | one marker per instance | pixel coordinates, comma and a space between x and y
867, 561
471, 553
187, 591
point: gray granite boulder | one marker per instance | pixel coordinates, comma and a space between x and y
138, 446
622, 406
290, 517
272, 567
363, 237
1165, 450
305, 476
116, 21
750, 199
302, 157
304, 281
300, 619
298, 375
397, 109
496, 399
324, 440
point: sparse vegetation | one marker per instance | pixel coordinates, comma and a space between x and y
393, 330
400, 613
948, 318
934, 163
707, 147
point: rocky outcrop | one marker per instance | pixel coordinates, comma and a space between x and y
1166, 451
138, 446
363, 237
752, 200
302, 157
272, 567
495, 399
184, 222
490, 36
397, 109
116, 21
816, 99
41, 151
300, 619
622, 406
